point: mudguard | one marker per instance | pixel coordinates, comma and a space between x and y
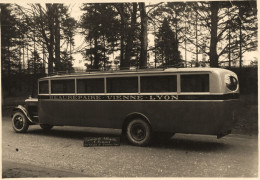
24, 111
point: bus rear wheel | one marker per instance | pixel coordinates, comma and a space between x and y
19, 122
46, 127
138, 132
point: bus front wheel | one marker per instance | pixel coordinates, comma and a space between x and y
19, 122
46, 127
138, 132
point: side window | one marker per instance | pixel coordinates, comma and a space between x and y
43, 87
159, 84
63, 86
90, 85
122, 85
195, 83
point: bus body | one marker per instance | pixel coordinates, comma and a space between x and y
183, 100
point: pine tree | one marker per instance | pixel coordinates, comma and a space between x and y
167, 45
101, 29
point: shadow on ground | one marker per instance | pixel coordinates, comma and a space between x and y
186, 144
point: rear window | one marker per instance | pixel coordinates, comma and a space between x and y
90, 85
231, 82
159, 84
43, 87
195, 83
63, 86
122, 85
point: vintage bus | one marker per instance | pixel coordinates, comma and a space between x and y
141, 103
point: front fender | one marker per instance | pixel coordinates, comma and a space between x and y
23, 110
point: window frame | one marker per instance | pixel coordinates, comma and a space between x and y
123, 76
48, 87
138, 76
85, 78
62, 79
196, 73
159, 75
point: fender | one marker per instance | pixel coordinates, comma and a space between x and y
24, 111
138, 114
129, 117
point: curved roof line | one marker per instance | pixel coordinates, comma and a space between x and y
153, 71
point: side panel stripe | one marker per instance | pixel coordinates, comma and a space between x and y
140, 97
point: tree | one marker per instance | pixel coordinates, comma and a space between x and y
167, 45
246, 22
50, 25
130, 38
100, 28
214, 8
11, 40
128, 34
222, 28
143, 36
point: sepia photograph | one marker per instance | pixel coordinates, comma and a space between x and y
129, 89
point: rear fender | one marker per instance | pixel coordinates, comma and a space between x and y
24, 111
133, 115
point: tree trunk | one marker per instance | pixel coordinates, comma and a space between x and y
23, 66
43, 59
130, 37
51, 59
9, 62
57, 38
50, 41
50, 51
104, 53
20, 60
240, 37
196, 34
229, 40
214, 31
96, 60
122, 41
143, 53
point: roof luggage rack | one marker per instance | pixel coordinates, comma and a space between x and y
110, 70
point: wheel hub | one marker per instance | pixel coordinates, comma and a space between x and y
18, 122
138, 132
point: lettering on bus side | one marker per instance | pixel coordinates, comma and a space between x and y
112, 97
163, 97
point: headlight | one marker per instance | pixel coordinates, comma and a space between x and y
231, 82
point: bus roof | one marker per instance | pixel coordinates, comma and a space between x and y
129, 72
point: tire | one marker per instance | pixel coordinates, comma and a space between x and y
20, 123
46, 127
138, 132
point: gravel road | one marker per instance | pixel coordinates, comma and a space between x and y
60, 153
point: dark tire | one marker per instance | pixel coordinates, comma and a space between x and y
19, 122
46, 127
138, 132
